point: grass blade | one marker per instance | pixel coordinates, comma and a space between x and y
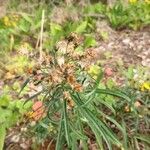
66, 123
24, 85
60, 138
74, 142
113, 93
95, 127
2, 136
33, 96
143, 138
77, 133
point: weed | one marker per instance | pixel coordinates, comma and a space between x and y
72, 103
69, 97
11, 112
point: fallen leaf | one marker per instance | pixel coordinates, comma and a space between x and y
37, 105
108, 71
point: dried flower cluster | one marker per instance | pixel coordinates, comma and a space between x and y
62, 66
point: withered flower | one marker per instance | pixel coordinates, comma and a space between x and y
60, 60
78, 87
71, 79
67, 97
74, 84
90, 54
61, 46
75, 38
56, 76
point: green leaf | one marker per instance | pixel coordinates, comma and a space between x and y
60, 137
113, 121
55, 29
37, 25
90, 42
129, 74
66, 123
97, 126
110, 83
4, 100
107, 104
114, 93
24, 85
2, 135
95, 8
144, 138
74, 142
24, 26
98, 139
27, 18
27, 105
82, 27
33, 96
23, 107
108, 133
81, 129
77, 133
5, 116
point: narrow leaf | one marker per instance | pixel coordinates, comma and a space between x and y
33, 96
60, 138
2, 136
66, 123
81, 28
113, 93
24, 85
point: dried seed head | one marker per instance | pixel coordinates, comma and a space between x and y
60, 61
90, 54
78, 87
71, 79
75, 38
56, 76
67, 97
61, 46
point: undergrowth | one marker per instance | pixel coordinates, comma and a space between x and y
72, 106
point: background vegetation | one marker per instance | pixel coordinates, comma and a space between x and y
56, 90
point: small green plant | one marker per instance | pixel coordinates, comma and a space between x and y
118, 15
134, 116
134, 15
11, 111
97, 8
89, 41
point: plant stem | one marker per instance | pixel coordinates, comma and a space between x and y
41, 35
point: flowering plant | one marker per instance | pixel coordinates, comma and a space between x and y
70, 95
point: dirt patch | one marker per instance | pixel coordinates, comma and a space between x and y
131, 47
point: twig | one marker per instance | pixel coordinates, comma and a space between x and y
49, 145
41, 35
37, 43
